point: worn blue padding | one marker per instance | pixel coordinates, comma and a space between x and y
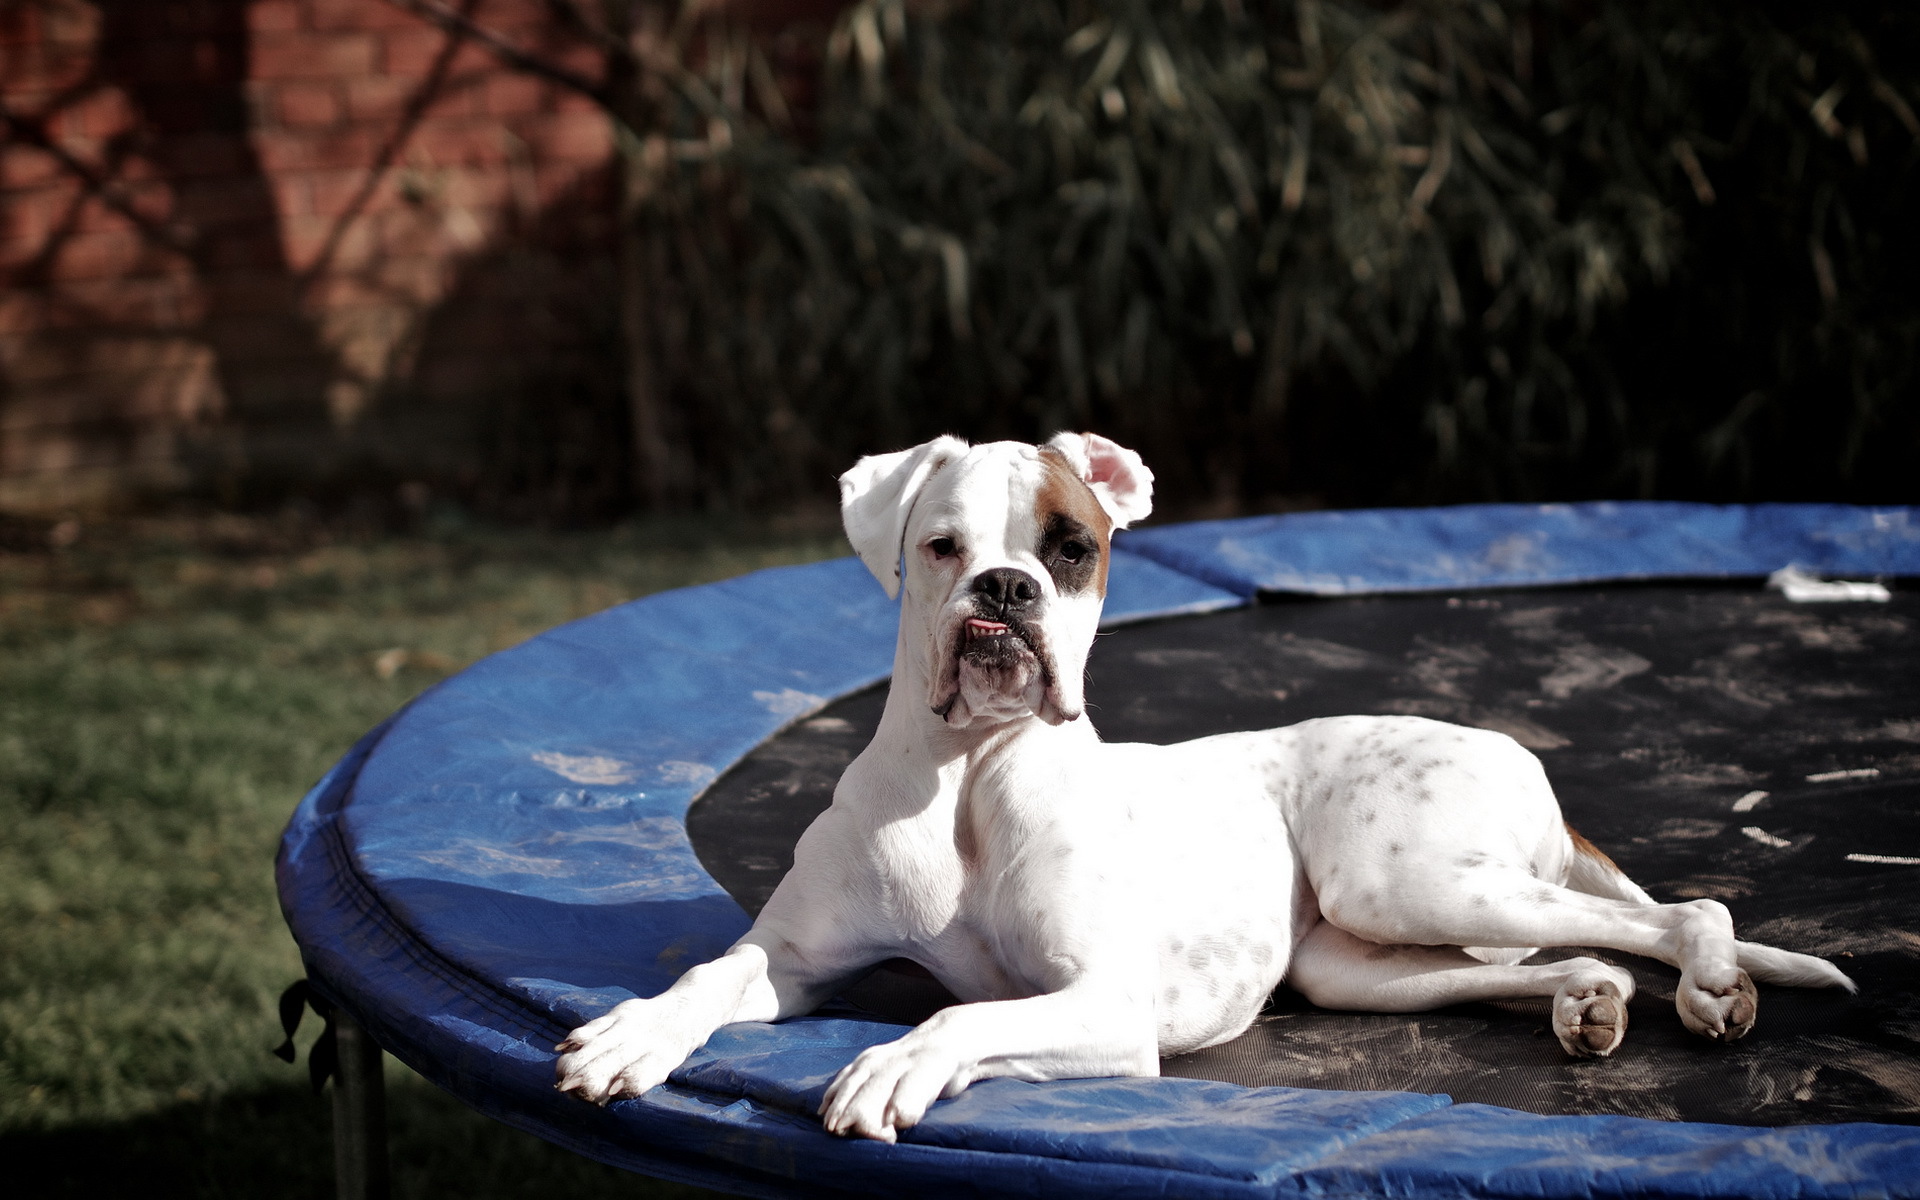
507, 857
1481, 1150
1529, 545
1140, 589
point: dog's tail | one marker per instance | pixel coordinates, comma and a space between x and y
1595, 874
1771, 965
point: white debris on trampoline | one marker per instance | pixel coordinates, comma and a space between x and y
1855, 773
1803, 588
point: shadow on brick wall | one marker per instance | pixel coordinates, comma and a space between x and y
513, 404
259, 251
165, 234
184, 65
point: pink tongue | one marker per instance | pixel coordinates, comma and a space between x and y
977, 625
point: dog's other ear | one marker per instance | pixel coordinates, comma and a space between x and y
1120, 481
876, 496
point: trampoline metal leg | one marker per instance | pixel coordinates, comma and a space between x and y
359, 1114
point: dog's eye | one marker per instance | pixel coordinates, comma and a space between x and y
1073, 552
942, 547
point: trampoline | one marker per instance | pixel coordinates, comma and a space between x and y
579, 819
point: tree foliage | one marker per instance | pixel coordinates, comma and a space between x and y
1435, 250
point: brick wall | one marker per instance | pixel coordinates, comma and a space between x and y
230, 231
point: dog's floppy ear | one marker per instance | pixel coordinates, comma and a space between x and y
1119, 480
876, 496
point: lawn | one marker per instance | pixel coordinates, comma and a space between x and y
168, 690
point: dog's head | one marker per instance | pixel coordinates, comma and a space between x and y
1004, 549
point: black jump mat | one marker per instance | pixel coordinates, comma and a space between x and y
1659, 711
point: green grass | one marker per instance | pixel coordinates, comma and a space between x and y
167, 692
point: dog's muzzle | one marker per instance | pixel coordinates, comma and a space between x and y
999, 665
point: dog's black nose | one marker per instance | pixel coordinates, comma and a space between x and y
1006, 590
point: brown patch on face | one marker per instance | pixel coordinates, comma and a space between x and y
1069, 515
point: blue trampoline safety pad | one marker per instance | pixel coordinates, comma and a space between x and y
507, 857
1529, 545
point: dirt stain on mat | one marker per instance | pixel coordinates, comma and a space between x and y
1584, 667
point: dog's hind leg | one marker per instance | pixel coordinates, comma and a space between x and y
1335, 969
1592, 872
1505, 906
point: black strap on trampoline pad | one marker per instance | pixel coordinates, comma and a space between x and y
1660, 711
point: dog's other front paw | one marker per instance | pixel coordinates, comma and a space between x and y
888, 1089
1719, 1008
619, 1055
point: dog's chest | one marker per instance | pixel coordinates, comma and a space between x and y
997, 909
1021, 924
1200, 922
917, 882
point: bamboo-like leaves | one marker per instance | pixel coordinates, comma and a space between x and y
1013, 211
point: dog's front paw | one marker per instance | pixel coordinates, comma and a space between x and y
618, 1056
1719, 1005
888, 1089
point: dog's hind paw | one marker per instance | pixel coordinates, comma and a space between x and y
1590, 1019
1721, 1013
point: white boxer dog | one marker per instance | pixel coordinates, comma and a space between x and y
1098, 906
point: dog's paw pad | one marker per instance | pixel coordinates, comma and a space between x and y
1722, 1013
1740, 1006
1591, 1023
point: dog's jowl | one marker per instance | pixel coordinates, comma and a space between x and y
1101, 905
